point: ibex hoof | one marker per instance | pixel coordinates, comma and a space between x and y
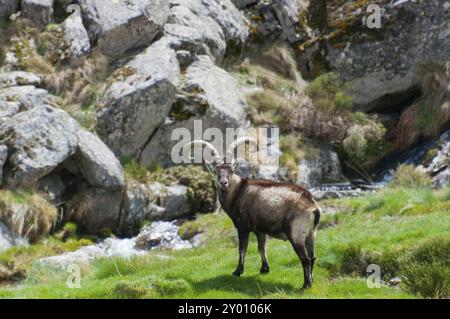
264, 270
237, 273
306, 286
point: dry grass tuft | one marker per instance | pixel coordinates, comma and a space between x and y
408, 176
27, 214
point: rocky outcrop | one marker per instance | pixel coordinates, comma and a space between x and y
15, 99
40, 12
38, 141
219, 23
76, 36
8, 7
96, 211
118, 27
97, 163
156, 202
380, 64
209, 94
18, 78
140, 96
158, 235
324, 168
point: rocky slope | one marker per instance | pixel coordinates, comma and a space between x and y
89, 86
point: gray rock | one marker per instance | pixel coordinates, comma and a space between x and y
219, 21
286, 12
52, 185
8, 108
40, 12
38, 141
3, 157
135, 104
20, 98
97, 163
95, 210
8, 7
76, 36
161, 235
142, 203
381, 71
18, 78
322, 169
121, 26
176, 202
209, 94
241, 4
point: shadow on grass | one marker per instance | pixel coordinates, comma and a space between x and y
251, 285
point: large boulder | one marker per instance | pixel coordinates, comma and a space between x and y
140, 96
21, 98
40, 12
121, 26
219, 22
8, 7
96, 211
76, 36
323, 168
97, 163
18, 78
38, 141
380, 64
211, 95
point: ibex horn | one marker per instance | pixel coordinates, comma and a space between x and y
187, 149
237, 143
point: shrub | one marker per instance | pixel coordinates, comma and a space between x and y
426, 269
362, 141
410, 177
326, 91
134, 171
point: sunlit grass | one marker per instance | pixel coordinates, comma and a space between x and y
376, 228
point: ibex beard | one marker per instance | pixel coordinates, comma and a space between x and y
281, 210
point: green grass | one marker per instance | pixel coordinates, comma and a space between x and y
389, 228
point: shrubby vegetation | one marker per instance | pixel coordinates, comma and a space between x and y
410, 176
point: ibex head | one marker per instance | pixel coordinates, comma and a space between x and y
222, 168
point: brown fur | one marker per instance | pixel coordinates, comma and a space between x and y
282, 210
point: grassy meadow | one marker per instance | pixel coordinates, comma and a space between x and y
404, 231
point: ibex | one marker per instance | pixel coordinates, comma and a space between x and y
281, 210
